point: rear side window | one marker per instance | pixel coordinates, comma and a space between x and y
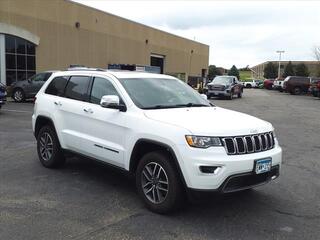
57, 86
77, 88
101, 87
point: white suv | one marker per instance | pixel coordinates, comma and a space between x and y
158, 128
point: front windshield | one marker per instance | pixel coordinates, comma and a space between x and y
153, 93
222, 80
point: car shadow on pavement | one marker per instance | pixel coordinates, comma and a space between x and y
98, 174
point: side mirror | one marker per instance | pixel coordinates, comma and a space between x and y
29, 80
204, 96
112, 101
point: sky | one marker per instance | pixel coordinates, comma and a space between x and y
239, 33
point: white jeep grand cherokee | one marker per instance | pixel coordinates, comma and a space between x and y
158, 128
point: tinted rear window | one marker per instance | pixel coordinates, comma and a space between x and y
57, 86
77, 88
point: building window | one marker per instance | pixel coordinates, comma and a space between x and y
20, 59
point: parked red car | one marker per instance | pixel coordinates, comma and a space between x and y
268, 83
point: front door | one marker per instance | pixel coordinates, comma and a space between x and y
105, 129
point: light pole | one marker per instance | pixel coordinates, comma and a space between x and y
280, 52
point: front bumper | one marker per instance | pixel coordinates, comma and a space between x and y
3, 99
228, 167
218, 93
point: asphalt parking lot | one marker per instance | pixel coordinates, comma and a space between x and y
85, 200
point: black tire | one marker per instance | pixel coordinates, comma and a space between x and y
248, 86
240, 94
297, 91
208, 96
56, 158
172, 197
18, 95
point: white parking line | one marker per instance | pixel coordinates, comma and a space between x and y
17, 111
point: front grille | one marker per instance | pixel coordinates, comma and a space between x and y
248, 144
216, 87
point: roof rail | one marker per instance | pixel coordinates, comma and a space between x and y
86, 69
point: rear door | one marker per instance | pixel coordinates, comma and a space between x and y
71, 109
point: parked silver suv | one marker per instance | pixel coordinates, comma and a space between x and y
22, 90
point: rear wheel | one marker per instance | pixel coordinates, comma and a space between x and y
248, 86
297, 91
18, 95
49, 149
158, 183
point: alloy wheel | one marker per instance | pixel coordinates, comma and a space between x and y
46, 146
18, 95
154, 182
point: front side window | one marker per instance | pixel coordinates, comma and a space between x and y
57, 86
153, 93
77, 88
100, 88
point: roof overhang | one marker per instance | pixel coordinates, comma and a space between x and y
19, 32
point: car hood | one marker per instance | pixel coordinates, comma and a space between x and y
210, 121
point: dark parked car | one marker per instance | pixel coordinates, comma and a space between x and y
3, 94
26, 89
225, 86
268, 83
314, 87
296, 85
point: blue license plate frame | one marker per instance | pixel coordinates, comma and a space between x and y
262, 165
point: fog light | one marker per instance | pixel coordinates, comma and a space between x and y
208, 169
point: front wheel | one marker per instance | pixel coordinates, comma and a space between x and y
48, 146
231, 96
18, 95
158, 183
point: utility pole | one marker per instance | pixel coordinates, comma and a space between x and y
280, 52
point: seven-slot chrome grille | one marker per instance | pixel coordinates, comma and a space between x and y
249, 143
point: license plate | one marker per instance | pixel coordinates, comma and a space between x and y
263, 165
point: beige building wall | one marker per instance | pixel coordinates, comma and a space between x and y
100, 40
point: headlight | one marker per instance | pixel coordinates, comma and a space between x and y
203, 142
227, 86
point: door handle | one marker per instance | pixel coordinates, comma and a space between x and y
57, 103
88, 110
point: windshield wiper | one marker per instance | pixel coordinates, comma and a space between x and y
192, 105
160, 107
177, 106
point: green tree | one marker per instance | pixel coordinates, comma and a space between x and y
234, 72
213, 71
270, 71
302, 70
288, 70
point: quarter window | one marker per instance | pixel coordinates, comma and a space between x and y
101, 87
77, 88
57, 86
